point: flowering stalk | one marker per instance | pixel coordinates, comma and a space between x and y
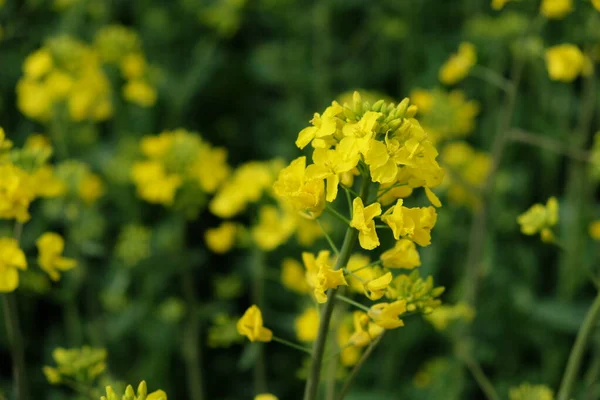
192, 336
15, 338
312, 383
578, 350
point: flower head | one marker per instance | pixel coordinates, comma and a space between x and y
404, 254
50, 246
540, 219
304, 193
566, 62
459, 64
556, 9
222, 238
251, 326
387, 315
362, 220
307, 325
12, 259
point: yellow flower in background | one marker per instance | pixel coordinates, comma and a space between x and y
273, 229
12, 259
16, 193
307, 230
527, 391
91, 188
303, 193
404, 254
458, 66
596, 4
499, 4
5, 144
444, 315
140, 92
327, 278
362, 220
594, 230
540, 219
293, 276
387, 315
307, 325
376, 288
50, 247
350, 354
323, 127
38, 64
130, 394
133, 66
85, 363
556, 9
153, 184
251, 326
210, 167
221, 239
566, 62
265, 396
362, 335
329, 164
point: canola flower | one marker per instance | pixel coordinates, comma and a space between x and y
556, 9
265, 396
458, 66
566, 62
306, 325
130, 394
50, 246
12, 259
540, 219
527, 391
222, 238
594, 229
251, 326
499, 4
83, 364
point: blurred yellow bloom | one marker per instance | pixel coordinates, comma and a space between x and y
358, 265
293, 276
329, 164
140, 92
499, 4
130, 394
35, 141
362, 220
307, 230
16, 193
85, 363
556, 9
458, 66
527, 391
442, 316
251, 326
404, 254
303, 193
221, 239
540, 219
50, 247
5, 144
566, 62
153, 184
265, 396
307, 325
596, 4
350, 353
210, 167
91, 188
387, 315
323, 126
133, 66
364, 330
12, 259
327, 278
376, 288
594, 229
38, 64
273, 228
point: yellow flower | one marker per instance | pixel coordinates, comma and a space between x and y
361, 337
358, 135
376, 288
221, 239
293, 276
273, 228
499, 4
210, 168
565, 62
91, 188
387, 315
404, 254
556, 9
362, 220
303, 193
140, 92
12, 259
16, 193
5, 144
323, 126
314, 264
133, 66
37, 64
414, 223
327, 278
265, 396
442, 316
350, 353
594, 229
251, 326
307, 325
153, 184
457, 67
596, 4
358, 265
527, 391
540, 219
50, 246
329, 164
142, 394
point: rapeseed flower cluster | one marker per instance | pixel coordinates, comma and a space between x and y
540, 219
83, 364
458, 66
566, 62
130, 394
527, 391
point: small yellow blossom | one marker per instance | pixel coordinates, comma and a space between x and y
323, 126
273, 228
140, 92
210, 167
153, 184
364, 330
37, 64
314, 264
327, 278
221, 239
596, 4
307, 325
499, 4
556, 9
5, 144
329, 164
358, 265
358, 135
133, 66
130, 394
85, 363
12, 259
527, 391
457, 67
293, 276
265, 396
540, 219
350, 354
251, 326
50, 246
594, 230
362, 220
376, 288
414, 223
565, 62
404, 254
303, 193
387, 315
442, 316
91, 188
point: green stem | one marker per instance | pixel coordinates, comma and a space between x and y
358, 366
352, 302
329, 240
338, 215
291, 344
314, 376
192, 351
492, 77
482, 380
15, 339
578, 350
373, 264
